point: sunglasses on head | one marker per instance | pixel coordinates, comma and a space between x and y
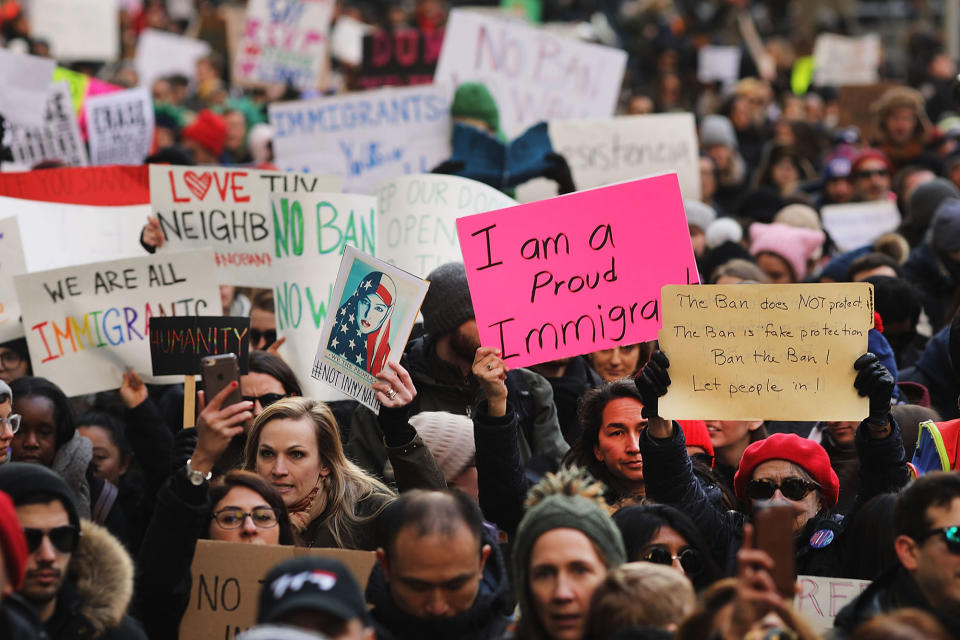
689, 559
64, 539
266, 399
269, 336
792, 488
951, 536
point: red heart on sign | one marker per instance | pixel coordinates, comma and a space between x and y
198, 184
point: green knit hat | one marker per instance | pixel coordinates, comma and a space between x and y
473, 100
569, 499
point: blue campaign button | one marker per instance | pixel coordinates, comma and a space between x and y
821, 538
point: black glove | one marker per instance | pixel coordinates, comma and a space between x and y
876, 382
449, 167
652, 383
559, 172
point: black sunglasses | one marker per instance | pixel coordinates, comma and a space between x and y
65, 539
951, 536
689, 559
269, 336
792, 488
266, 399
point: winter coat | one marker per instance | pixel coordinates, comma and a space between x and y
93, 600
71, 462
19, 621
363, 537
485, 619
933, 371
578, 378
937, 288
185, 441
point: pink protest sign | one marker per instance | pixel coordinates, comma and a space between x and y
578, 273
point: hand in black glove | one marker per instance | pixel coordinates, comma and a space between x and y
652, 383
876, 382
449, 167
559, 172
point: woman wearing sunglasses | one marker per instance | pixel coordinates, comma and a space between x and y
784, 469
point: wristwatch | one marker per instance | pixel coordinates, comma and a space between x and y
195, 477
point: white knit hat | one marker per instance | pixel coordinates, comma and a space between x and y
449, 438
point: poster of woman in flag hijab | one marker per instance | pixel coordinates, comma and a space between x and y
377, 306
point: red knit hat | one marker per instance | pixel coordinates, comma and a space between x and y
791, 447
209, 130
12, 542
696, 434
870, 154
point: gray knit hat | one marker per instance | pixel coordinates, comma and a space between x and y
945, 228
448, 303
717, 131
699, 214
449, 437
926, 198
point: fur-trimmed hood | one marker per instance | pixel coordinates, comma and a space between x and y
102, 573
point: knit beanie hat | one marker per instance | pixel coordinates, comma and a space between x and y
793, 244
449, 437
723, 230
800, 216
209, 130
699, 214
837, 166
23, 479
760, 204
792, 448
447, 304
925, 199
696, 435
871, 154
569, 499
474, 100
717, 131
12, 542
945, 228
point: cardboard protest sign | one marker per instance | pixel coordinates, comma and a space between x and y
850, 111
717, 63
845, 60
611, 150
24, 80
821, 599
365, 137
227, 581
105, 186
857, 224
77, 29
312, 231
229, 210
12, 264
161, 53
486, 159
765, 352
399, 58
86, 324
377, 305
283, 43
120, 127
179, 343
417, 218
57, 139
578, 273
533, 75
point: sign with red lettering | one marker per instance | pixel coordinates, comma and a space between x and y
399, 58
820, 599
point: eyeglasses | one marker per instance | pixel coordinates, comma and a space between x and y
869, 173
12, 421
792, 488
266, 399
64, 539
10, 359
951, 536
689, 559
269, 336
231, 518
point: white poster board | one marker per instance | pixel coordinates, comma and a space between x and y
11, 264
533, 75
845, 60
120, 127
821, 599
857, 224
57, 139
86, 324
86, 30
716, 63
24, 80
160, 53
365, 137
610, 150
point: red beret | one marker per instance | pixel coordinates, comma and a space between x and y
12, 542
791, 447
209, 130
871, 154
696, 434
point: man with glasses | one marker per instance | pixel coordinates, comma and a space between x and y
926, 521
79, 583
871, 175
9, 421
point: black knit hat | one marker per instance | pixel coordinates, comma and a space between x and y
22, 480
448, 303
945, 227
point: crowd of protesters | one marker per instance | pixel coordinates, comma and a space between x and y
550, 502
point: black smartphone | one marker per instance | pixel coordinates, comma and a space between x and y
774, 526
218, 372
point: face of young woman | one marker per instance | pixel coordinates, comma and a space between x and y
370, 313
106, 456
249, 506
287, 457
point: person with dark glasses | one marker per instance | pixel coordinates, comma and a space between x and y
783, 469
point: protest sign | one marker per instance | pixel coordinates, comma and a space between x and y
120, 127
578, 273
484, 158
312, 231
820, 599
24, 80
161, 53
227, 578
12, 264
57, 139
109, 186
845, 60
283, 43
717, 63
850, 102
179, 343
417, 218
533, 75
399, 58
611, 150
229, 210
377, 306
85, 30
765, 352
86, 324
81, 87
366, 137
346, 40
857, 224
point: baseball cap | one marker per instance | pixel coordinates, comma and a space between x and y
314, 583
